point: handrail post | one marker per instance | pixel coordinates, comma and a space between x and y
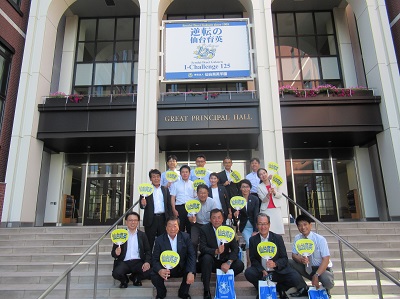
96, 271
68, 285
346, 291
288, 215
378, 283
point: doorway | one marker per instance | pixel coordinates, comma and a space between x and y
315, 193
104, 200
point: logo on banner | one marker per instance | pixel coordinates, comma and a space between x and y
277, 180
119, 236
193, 206
238, 202
235, 176
205, 52
171, 176
198, 182
305, 247
267, 250
169, 259
225, 234
145, 189
200, 172
273, 166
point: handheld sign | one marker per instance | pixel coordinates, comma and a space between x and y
193, 206
169, 259
273, 166
146, 189
238, 202
277, 180
171, 176
305, 247
198, 182
267, 250
225, 234
119, 236
235, 176
200, 172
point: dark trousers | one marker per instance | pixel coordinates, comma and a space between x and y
284, 281
209, 264
184, 223
157, 228
121, 269
195, 235
158, 282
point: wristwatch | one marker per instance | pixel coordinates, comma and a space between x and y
229, 263
316, 274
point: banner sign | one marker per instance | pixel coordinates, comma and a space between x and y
267, 250
200, 172
235, 176
238, 202
169, 259
273, 166
171, 176
146, 189
225, 234
277, 180
305, 247
193, 206
198, 182
206, 49
119, 236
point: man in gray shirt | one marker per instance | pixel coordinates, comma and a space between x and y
203, 216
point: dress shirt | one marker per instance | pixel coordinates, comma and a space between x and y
164, 180
174, 243
321, 248
158, 199
203, 216
254, 180
228, 175
132, 249
216, 198
206, 178
183, 191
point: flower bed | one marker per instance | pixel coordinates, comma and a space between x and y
328, 90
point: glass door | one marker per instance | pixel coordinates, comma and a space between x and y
315, 193
104, 201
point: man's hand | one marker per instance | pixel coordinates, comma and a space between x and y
118, 251
304, 260
221, 248
227, 183
143, 201
190, 278
176, 214
145, 267
164, 273
236, 214
192, 219
225, 267
315, 281
271, 264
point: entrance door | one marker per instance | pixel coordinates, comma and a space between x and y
104, 201
315, 193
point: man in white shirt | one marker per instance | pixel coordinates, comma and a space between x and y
134, 256
157, 208
252, 176
179, 242
321, 265
181, 192
201, 162
171, 164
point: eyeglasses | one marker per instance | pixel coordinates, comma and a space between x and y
132, 220
263, 224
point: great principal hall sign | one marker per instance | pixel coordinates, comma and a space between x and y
208, 118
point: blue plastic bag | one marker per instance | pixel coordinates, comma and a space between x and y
321, 293
266, 289
225, 288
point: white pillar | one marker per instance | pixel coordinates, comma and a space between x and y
383, 75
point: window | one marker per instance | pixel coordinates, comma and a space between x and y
306, 49
5, 63
107, 56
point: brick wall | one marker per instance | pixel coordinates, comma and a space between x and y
17, 41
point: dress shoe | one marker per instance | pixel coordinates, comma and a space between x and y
300, 293
137, 283
282, 295
207, 295
158, 297
186, 296
123, 285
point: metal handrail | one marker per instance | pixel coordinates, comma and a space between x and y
349, 245
67, 272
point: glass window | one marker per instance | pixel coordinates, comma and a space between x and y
286, 24
304, 23
326, 45
308, 45
5, 64
324, 23
310, 68
330, 68
107, 51
288, 46
290, 69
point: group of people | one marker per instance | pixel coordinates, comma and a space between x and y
168, 226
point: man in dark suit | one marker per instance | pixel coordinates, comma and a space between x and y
181, 243
134, 256
157, 208
214, 255
225, 179
278, 267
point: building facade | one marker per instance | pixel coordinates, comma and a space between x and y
13, 23
96, 109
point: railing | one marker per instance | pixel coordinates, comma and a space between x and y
341, 241
67, 272
208, 95
77, 98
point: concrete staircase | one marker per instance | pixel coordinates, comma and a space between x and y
32, 258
